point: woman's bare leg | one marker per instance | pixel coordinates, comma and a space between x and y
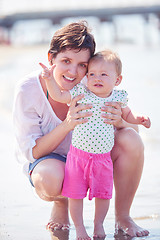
47, 178
101, 209
76, 210
128, 158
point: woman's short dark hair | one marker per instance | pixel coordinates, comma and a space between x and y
72, 36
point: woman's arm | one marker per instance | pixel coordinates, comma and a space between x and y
49, 142
52, 86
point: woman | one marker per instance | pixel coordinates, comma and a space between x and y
43, 131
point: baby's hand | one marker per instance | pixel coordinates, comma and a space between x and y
47, 73
145, 121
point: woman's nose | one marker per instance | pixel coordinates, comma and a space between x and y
73, 70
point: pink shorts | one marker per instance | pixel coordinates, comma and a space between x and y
88, 171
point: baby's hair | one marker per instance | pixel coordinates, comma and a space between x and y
110, 56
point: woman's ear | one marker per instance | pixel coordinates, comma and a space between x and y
50, 57
119, 80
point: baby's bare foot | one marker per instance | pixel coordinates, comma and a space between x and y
99, 231
81, 233
129, 227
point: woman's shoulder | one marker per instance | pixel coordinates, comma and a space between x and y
28, 85
27, 90
29, 81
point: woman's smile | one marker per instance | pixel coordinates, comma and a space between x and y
69, 78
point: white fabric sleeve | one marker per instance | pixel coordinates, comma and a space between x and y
76, 90
27, 123
73, 92
79, 88
124, 98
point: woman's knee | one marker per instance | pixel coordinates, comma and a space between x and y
128, 145
50, 186
48, 181
128, 139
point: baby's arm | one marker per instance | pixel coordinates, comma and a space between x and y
129, 117
52, 87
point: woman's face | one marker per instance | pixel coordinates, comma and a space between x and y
70, 67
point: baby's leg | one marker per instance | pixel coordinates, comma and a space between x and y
101, 209
76, 211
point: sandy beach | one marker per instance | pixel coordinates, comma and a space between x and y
22, 214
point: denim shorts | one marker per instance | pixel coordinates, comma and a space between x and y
49, 156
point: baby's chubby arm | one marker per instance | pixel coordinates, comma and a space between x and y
52, 86
129, 117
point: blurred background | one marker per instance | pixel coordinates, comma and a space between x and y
132, 28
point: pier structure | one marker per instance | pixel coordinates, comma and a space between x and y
105, 14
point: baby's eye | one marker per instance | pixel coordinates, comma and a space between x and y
104, 74
91, 74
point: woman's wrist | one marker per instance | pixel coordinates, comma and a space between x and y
120, 124
66, 126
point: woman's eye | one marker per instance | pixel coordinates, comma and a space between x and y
66, 61
83, 65
104, 74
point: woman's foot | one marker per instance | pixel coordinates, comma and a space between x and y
99, 231
81, 233
129, 227
59, 217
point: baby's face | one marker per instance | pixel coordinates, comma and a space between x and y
102, 77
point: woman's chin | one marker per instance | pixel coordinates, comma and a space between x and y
68, 85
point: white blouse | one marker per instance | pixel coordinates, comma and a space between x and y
33, 118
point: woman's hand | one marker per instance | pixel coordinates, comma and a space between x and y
75, 115
112, 114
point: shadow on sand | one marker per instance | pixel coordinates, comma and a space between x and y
60, 235
64, 235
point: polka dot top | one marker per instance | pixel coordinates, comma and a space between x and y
95, 136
